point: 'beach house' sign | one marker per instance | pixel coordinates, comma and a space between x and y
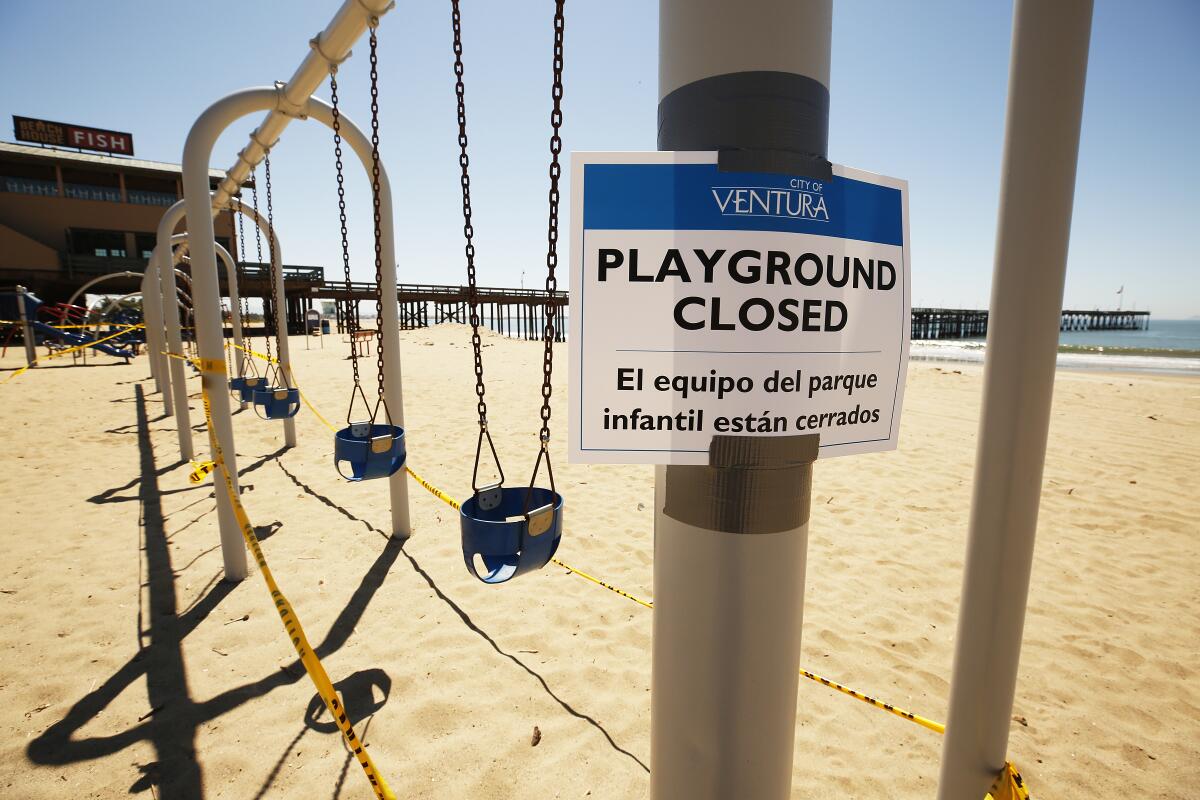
707, 302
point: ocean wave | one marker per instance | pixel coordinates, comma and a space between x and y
1070, 357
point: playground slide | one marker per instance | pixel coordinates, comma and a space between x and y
75, 338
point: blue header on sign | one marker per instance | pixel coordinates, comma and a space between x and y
700, 197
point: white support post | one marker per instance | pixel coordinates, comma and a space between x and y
235, 308
1041, 147
284, 354
393, 385
153, 317
235, 311
174, 339
26, 328
750, 77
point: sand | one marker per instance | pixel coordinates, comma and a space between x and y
128, 667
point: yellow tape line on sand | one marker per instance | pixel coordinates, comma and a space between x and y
1009, 785
70, 350
291, 623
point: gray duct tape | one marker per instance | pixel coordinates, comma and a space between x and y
753, 484
760, 121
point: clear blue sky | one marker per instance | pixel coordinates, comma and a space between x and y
918, 92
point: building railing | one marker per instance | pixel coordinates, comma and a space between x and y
83, 191
256, 270
143, 197
100, 265
30, 186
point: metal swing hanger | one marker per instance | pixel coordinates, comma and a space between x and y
356, 391
555, 171
245, 360
280, 374
259, 250
369, 449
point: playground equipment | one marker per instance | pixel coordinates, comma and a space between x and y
243, 385
24, 305
283, 103
372, 446
510, 530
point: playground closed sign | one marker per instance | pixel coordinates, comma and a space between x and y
706, 302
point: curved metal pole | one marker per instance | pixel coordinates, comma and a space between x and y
235, 300
152, 312
164, 266
284, 355
173, 368
196, 155
393, 385
94, 281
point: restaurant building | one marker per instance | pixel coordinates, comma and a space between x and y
67, 217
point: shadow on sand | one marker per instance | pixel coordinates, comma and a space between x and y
174, 717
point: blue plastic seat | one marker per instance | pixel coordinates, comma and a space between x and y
236, 387
372, 451
248, 386
276, 402
509, 540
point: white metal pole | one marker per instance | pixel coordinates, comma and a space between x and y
393, 386
285, 351
1041, 147
26, 328
235, 311
235, 308
174, 339
284, 354
747, 77
153, 317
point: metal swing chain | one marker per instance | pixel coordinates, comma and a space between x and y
258, 247
375, 172
469, 250
239, 275
275, 307
351, 319
556, 118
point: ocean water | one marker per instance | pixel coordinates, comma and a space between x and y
1169, 346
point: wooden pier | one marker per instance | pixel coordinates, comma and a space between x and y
520, 313
957, 323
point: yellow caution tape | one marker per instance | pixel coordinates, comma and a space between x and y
70, 350
936, 727
254, 353
291, 624
1009, 785
435, 491
200, 470
599, 582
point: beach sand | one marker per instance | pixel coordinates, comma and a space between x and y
129, 668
